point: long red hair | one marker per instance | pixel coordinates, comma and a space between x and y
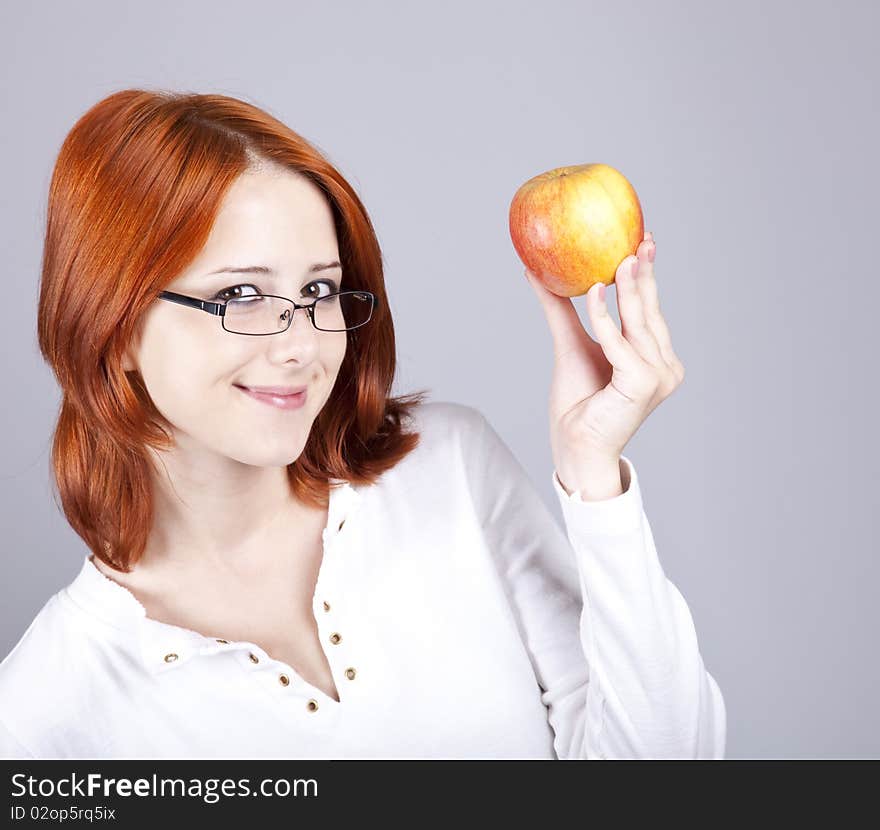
135, 190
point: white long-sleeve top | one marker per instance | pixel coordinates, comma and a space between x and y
458, 618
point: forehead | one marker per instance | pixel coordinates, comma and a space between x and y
275, 216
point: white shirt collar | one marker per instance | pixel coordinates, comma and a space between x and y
162, 646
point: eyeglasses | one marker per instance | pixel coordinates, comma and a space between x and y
263, 314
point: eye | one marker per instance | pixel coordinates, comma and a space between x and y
329, 284
309, 291
222, 294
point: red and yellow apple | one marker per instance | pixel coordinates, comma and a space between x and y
572, 226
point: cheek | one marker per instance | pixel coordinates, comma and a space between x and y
177, 371
339, 351
332, 354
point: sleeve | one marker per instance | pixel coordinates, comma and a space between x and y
611, 639
10, 748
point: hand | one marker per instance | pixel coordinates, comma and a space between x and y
601, 392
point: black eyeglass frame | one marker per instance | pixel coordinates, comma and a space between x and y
219, 309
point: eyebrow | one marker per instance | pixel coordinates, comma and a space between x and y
265, 269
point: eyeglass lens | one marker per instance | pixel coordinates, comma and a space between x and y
264, 314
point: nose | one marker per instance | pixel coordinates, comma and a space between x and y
300, 328
289, 316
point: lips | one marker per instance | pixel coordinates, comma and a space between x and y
283, 402
275, 390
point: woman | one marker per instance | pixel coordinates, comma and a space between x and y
278, 575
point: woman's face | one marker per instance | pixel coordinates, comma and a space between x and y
192, 367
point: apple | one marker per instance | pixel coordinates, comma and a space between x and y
572, 226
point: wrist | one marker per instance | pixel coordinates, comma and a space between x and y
597, 480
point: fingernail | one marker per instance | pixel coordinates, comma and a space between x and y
651, 251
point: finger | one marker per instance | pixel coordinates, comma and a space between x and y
566, 328
647, 285
620, 352
632, 316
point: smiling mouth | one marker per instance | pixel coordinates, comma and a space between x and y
283, 402
278, 391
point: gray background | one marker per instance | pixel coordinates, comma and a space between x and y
750, 132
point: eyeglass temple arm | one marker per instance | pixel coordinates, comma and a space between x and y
194, 302
219, 309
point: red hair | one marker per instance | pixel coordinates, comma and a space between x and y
135, 190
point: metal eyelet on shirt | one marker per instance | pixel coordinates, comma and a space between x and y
350, 673
283, 679
312, 705
170, 658
335, 638
326, 605
253, 657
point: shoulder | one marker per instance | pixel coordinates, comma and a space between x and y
43, 640
28, 667
45, 673
449, 433
442, 421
